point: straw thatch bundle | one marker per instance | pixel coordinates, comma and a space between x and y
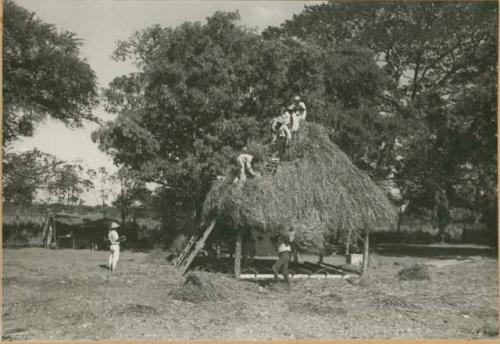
317, 190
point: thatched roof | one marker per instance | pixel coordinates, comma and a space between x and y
318, 191
86, 221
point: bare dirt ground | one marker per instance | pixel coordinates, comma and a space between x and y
68, 295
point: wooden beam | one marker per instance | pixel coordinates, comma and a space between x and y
198, 247
46, 231
55, 234
237, 256
259, 277
366, 251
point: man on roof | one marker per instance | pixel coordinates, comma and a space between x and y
244, 161
298, 114
280, 125
300, 108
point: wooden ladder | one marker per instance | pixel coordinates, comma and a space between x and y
272, 165
192, 248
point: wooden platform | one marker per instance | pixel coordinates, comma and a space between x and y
261, 268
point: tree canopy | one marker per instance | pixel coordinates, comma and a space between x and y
43, 75
442, 60
29, 174
203, 91
406, 89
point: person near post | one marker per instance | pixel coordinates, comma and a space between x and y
284, 250
114, 247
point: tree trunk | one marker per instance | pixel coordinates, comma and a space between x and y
400, 220
103, 207
366, 252
237, 256
124, 217
348, 242
55, 234
16, 224
441, 226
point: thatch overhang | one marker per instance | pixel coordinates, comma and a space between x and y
317, 190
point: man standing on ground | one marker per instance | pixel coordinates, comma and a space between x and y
284, 250
114, 247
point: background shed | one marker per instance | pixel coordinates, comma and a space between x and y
75, 231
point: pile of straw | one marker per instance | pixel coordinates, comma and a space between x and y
416, 272
201, 286
197, 287
316, 189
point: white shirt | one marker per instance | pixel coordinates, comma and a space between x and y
113, 237
285, 118
295, 121
301, 111
284, 247
245, 158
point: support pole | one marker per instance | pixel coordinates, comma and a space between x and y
348, 243
237, 256
55, 234
16, 224
366, 251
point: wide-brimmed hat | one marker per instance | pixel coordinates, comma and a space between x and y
113, 225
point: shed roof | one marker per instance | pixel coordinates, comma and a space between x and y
82, 221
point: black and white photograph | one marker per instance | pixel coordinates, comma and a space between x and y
249, 170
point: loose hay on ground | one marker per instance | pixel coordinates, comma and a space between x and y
200, 286
316, 307
416, 272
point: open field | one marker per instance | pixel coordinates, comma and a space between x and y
68, 294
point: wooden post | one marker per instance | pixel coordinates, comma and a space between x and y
198, 245
237, 256
55, 234
348, 243
45, 231
320, 258
16, 224
366, 252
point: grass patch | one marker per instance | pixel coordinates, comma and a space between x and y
316, 307
197, 287
416, 272
201, 286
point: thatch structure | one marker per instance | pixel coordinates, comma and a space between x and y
73, 230
316, 189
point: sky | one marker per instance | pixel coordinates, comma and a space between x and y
100, 24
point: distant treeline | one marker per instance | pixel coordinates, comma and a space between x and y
23, 225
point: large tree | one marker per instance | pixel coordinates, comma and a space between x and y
43, 75
33, 173
24, 174
203, 91
441, 58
